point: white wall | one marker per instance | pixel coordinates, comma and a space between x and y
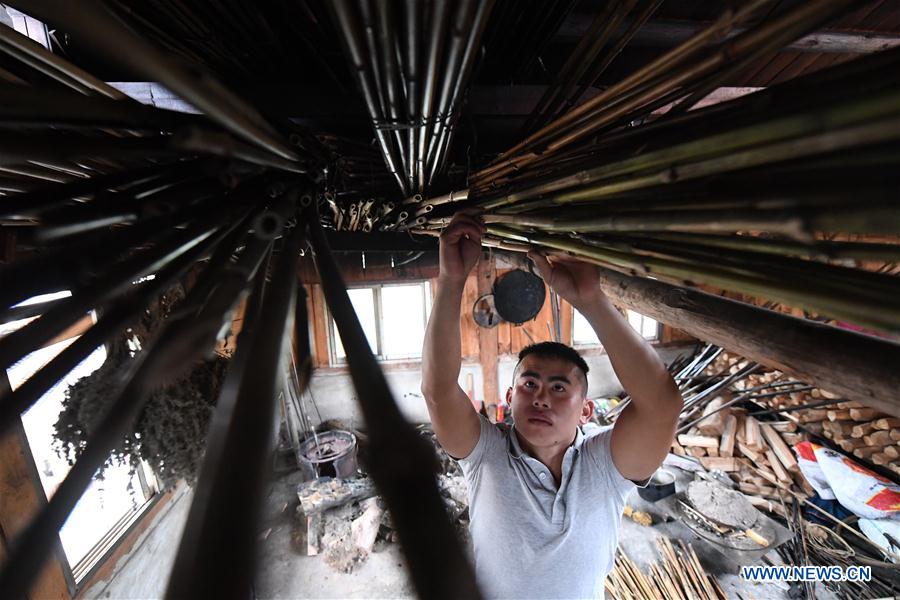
336, 398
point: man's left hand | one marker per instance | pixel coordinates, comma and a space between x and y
576, 281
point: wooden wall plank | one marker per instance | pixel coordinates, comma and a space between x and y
21, 497
487, 338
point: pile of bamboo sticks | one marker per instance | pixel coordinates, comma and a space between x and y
679, 576
414, 100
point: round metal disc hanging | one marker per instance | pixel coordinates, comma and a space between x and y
485, 313
519, 296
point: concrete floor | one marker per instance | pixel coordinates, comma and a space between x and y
286, 571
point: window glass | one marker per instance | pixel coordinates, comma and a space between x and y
582, 332
106, 501
647, 327
363, 300
403, 320
393, 318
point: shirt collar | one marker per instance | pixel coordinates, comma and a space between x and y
516, 449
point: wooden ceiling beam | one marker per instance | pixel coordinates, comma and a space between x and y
857, 366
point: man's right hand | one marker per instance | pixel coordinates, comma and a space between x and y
460, 246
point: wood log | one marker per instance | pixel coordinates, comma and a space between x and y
853, 365
313, 527
757, 490
696, 451
844, 405
862, 430
866, 451
784, 454
783, 426
322, 494
748, 452
701, 441
840, 429
714, 423
839, 415
865, 414
762, 503
752, 435
878, 438
792, 439
895, 434
801, 481
886, 423
812, 415
780, 472
719, 462
813, 427
677, 449
892, 451
850, 444
881, 458
364, 529
726, 443
712, 452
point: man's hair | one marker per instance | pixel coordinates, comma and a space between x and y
556, 350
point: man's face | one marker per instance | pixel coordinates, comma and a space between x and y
548, 400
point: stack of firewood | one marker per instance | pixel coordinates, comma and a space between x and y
864, 432
756, 455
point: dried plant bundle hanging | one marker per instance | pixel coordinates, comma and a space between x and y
170, 434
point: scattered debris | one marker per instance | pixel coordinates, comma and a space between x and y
345, 521
638, 516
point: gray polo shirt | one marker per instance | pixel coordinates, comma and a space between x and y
531, 539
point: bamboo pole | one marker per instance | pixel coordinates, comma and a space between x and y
725, 23
846, 124
96, 27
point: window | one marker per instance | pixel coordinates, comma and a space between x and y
583, 334
109, 505
393, 318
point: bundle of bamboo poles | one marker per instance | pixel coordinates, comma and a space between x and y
679, 576
698, 65
594, 53
742, 197
414, 100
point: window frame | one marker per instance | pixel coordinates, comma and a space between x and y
657, 337
331, 327
79, 575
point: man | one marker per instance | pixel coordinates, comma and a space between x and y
545, 501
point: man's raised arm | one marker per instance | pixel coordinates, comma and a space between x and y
453, 418
644, 430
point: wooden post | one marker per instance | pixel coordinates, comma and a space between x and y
487, 338
856, 366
